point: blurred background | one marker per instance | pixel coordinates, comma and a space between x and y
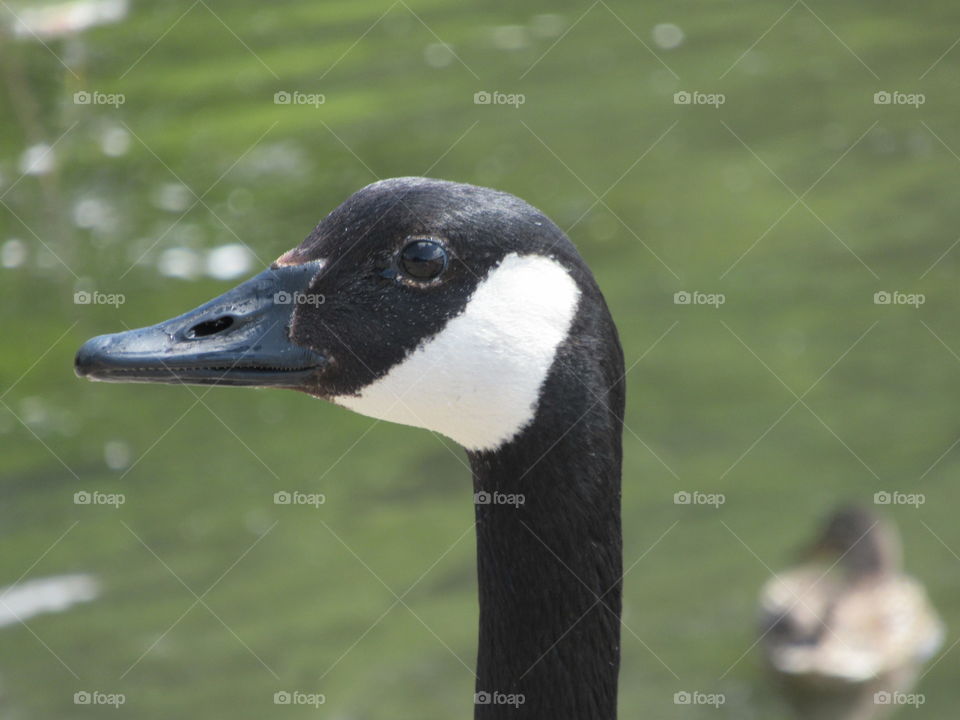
153, 154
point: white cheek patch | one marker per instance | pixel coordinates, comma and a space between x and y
478, 380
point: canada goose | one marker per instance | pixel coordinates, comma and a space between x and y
847, 630
465, 311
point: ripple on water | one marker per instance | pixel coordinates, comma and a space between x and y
94, 213
438, 55
173, 197
229, 261
668, 36
114, 141
117, 454
37, 160
57, 593
68, 18
225, 262
179, 262
510, 37
547, 25
13, 253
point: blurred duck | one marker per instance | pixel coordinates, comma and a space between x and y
847, 629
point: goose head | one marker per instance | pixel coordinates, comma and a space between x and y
859, 541
424, 302
465, 311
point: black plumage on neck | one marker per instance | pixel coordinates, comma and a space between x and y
550, 569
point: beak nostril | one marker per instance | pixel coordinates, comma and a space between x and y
210, 327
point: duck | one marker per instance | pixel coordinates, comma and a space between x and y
465, 311
846, 632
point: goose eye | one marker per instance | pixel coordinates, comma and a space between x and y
423, 259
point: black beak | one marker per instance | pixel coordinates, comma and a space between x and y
240, 338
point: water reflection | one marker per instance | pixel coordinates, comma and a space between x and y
45, 595
53, 21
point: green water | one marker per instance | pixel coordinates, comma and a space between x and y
213, 598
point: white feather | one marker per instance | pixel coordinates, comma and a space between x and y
478, 380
